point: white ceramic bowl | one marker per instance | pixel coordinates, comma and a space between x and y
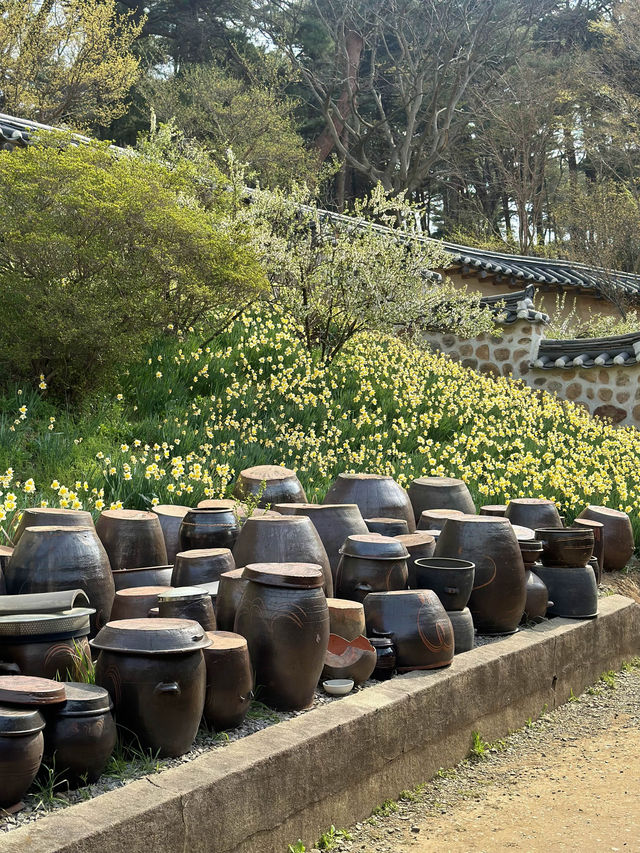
338, 686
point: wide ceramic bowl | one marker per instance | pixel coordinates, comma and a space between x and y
338, 686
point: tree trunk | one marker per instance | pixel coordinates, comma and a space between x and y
354, 45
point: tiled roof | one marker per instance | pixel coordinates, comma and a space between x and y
620, 351
12, 133
510, 307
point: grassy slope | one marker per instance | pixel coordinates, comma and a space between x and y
190, 419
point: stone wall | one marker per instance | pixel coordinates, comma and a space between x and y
609, 392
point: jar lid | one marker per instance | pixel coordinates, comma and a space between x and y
225, 641
20, 721
291, 575
182, 593
37, 624
414, 540
211, 588
380, 642
202, 554
29, 690
373, 546
172, 510
84, 699
523, 534
43, 602
151, 636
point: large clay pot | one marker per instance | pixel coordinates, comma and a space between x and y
573, 590
170, 517
229, 680
387, 526
598, 536
201, 565
418, 624
155, 673
135, 603
49, 516
188, 602
284, 616
334, 522
80, 734
230, 591
132, 538
47, 559
346, 618
618, 535
284, 539
463, 629
533, 512
355, 659
498, 597
537, 600
435, 519
440, 493
450, 579
208, 528
371, 563
418, 544
376, 495
21, 749
281, 485
565, 546
144, 576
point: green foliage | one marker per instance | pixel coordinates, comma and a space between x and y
331, 838
298, 847
566, 322
385, 809
98, 254
479, 746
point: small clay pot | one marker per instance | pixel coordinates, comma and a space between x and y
450, 579
535, 608
229, 680
188, 602
565, 546
440, 493
531, 551
463, 630
230, 591
355, 659
49, 516
387, 526
134, 603
346, 618
208, 528
420, 544
385, 656
80, 734
170, 517
132, 538
201, 565
435, 519
377, 496
21, 749
533, 513
617, 534
281, 485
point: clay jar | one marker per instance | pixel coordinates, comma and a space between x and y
565, 546
463, 630
531, 551
497, 510
598, 536
170, 517
283, 539
334, 522
21, 749
208, 528
418, 544
144, 576
281, 485
435, 519
45, 645
617, 534
229, 680
230, 590
155, 673
498, 597
533, 512
440, 493
355, 659
80, 734
387, 526
376, 495
346, 618
385, 656
188, 602
284, 616
47, 559
201, 565
450, 579
417, 623
573, 590
132, 538
371, 563
49, 516
135, 603
537, 599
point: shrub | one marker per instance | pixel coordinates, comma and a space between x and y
97, 254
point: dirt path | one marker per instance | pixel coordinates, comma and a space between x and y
569, 782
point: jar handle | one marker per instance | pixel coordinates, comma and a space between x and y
10, 668
171, 688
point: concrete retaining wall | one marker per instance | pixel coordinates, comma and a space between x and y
336, 763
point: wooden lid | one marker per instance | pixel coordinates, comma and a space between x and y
222, 641
291, 575
267, 472
438, 481
344, 604
233, 574
174, 510
140, 591
531, 501
441, 513
414, 540
587, 522
128, 515
606, 510
6, 550
28, 690
524, 534
202, 553
365, 477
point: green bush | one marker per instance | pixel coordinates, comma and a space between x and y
98, 253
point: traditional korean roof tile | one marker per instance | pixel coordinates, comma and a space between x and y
618, 351
510, 307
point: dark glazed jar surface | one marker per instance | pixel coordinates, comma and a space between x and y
537, 600
57, 658
377, 496
463, 629
229, 680
201, 565
284, 616
188, 603
440, 493
230, 591
617, 535
281, 485
385, 657
21, 749
132, 538
533, 512
208, 528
